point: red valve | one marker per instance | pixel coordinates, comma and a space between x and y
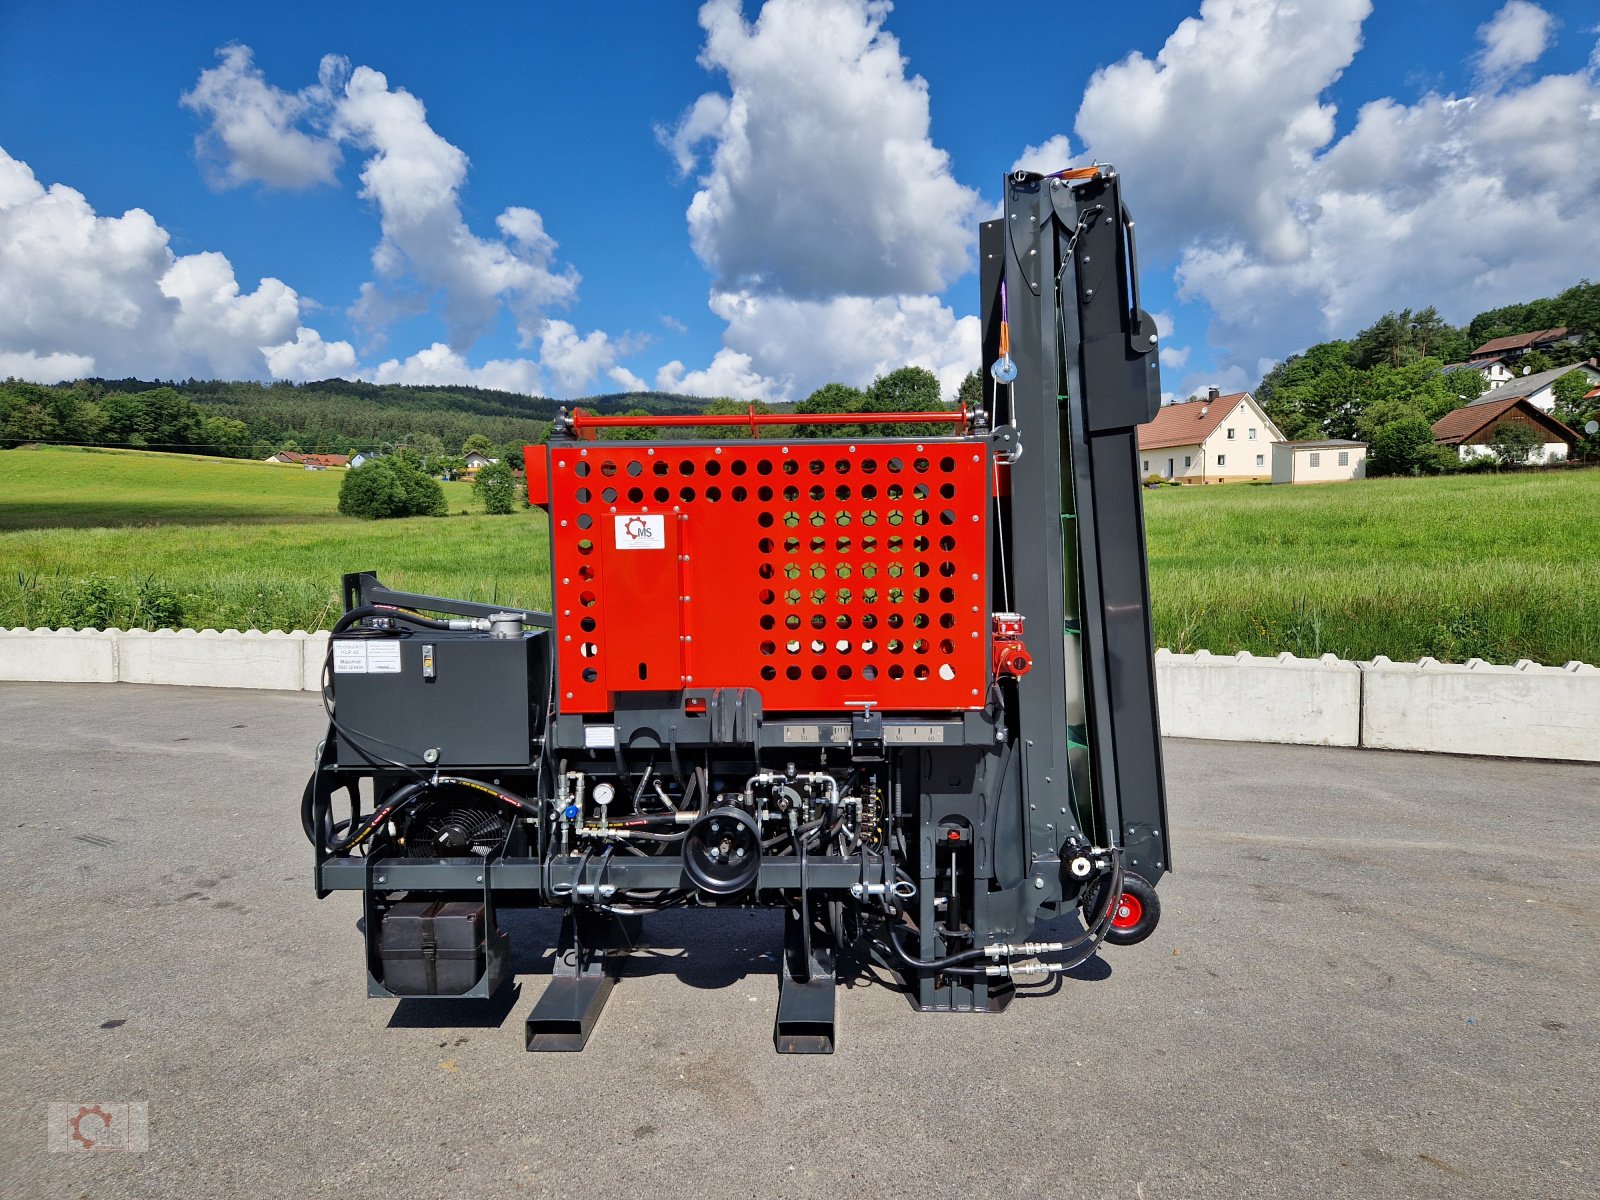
1011, 657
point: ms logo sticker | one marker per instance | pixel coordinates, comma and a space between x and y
641, 532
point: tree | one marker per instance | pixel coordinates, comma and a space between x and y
1513, 443
168, 420
1402, 447
910, 389
1569, 392
496, 488
1533, 362
477, 444
1288, 392
390, 487
371, 492
224, 436
832, 398
423, 495
970, 393
631, 433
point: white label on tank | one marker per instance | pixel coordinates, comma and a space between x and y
641, 531
599, 737
383, 658
350, 658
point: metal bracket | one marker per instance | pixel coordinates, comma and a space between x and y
590, 953
806, 989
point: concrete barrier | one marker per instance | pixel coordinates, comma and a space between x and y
204, 658
209, 658
59, 655
1242, 698
1520, 711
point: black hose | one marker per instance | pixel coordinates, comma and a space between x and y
927, 964
362, 612
396, 800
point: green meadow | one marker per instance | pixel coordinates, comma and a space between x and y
1499, 567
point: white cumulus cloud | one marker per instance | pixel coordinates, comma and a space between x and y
253, 131
1290, 235
414, 176
865, 337
44, 368
826, 214
440, 366
1513, 38
427, 255
729, 374
309, 357
107, 295
822, 178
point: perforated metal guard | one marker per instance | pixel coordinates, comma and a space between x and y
823, 574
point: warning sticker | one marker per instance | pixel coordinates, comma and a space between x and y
362, 656
641, 531
383, 658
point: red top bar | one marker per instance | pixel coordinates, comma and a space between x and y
580, 420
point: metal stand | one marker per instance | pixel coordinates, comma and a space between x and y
806, 989
590, 952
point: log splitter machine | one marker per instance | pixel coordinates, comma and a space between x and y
896, 681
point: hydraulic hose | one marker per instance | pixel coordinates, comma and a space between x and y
396, 800
364, 611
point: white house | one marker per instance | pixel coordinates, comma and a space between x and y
1495, 371
476, 461
1538, 389
1221, 439
1327, 461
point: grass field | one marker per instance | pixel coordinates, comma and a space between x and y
140, 540
1495, 567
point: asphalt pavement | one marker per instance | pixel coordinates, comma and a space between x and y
1376, 976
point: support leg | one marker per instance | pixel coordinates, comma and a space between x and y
590, 953
806, 988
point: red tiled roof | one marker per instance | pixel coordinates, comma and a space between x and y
315, 460
1465, 424
1520, 341
1187, 424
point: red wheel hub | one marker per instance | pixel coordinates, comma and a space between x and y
1128, 912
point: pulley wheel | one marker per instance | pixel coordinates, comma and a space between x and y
722, 853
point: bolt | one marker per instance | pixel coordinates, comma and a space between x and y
1088, 292
383, 879
1038, 882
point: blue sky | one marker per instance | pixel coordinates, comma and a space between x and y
1297, 169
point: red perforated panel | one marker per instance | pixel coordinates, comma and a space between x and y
822, 574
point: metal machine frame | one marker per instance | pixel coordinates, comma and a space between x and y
911, 804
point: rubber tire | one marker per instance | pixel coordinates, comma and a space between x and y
1145, 893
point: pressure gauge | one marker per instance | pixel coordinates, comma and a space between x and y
604, 794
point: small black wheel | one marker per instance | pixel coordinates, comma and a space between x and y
1137, 913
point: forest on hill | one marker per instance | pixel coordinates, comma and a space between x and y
336, 416
1389, 383
1386, 385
